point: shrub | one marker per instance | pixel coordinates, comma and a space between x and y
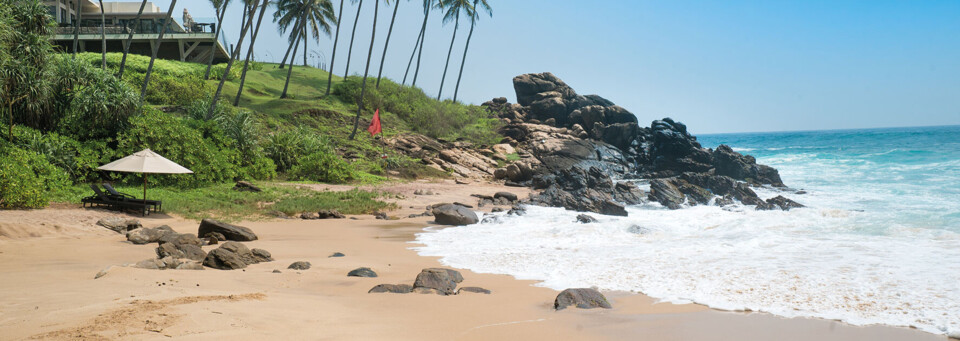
285, 147
200, 110
27, 179
323, 166
95, 103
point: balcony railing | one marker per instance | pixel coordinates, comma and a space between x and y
116, 29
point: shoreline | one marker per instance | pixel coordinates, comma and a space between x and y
50, 290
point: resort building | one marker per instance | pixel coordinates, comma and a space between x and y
187, 41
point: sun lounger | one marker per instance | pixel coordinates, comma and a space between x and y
112, 193
100, 199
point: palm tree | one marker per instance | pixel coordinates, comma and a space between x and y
126, 45
76, 30
246, 62
473, 22
103, 38
220, 6
346, 72
296, 44
156, 48
236, 51
454, 8
385, 45
333, 57
427, 6
319, 15
363, 86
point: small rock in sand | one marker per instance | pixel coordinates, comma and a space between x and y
119, 224
362, 272
336, 254
301, 265
391, 288
476, 290
583, 298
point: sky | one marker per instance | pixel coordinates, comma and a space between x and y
719, 66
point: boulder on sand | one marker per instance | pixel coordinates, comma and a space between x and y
362, 272
301, 265
583, 298
450, 214
119, 224
436, 279
233, 255
149, 235
229, 231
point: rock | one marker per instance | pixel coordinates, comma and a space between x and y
192, 252
586, 219
309, 215
261, 255
277, 271
637, 229
666, 193
362, 272
428, 291
150, 264
190, 265
517, 210
301, 265
506, 195
223, 259
148, 235
454, 274
454, 215
229, 231
497, 209
102, 272
169, 250
119, 224
583, 298
211, 240
336, 254
437, 279
216, 235
381, 215
330, 214
781, 203
244, 186
503, 149
476, 290
462, 204
744, 167
723, 201
391, 288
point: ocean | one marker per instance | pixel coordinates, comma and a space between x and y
878, 243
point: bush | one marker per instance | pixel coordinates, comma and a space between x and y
285, 147
78, 159
96, 104
175, 139
27, 179
323, 166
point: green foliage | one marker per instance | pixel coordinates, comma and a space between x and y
347, 202
285, 147
24, 80
323, 166
446, 120
94, 103
170, 136
200, 110
78, 159
27, 179
171, 82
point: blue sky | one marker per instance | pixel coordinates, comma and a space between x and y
718, 66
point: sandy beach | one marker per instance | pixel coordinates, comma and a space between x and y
49, 259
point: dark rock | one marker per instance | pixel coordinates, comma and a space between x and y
301, 265
497, 209
241, 251
336, 254
666, 193
244, 186
585, 219
216, 235
738, 166
454, 215
582, 190
169, 250
583, 298
695, 194
119, 224
261, 255
723, 201
330, 214
149, 235
476, 290
229, 231
381, 215
517, 210
505, 195
781, 203
462, 204
454, 274
362, 272
637, 229
192, 252
391, 288
437, 279
223, 259
277, 271
309, 215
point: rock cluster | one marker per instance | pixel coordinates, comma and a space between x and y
461, 158
322, 214
438, 281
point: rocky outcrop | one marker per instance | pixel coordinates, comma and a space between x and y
457, 215
583, 298
589, 190
460, 158
228, 231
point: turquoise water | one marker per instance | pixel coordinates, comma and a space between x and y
878, 243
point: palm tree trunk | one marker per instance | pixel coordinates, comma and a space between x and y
333, 57
473, 22
126, 46
246, 9
285, 56
449, 52
416, 45
76, 31
246, 63
306, 39
296, 44
420, 53
156, 48
363, 86
216, 35
346, 72
103, 38
243, 32
396, 6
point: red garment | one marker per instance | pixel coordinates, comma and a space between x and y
374, 127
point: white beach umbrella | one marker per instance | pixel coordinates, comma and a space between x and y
145, 161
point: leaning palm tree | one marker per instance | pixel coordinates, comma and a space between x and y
103, 38
296, 43
454, 9
246, 62
236, 51
346, 71
156, 48
427, 6
319, 16
76, 30
363, 86
473, 22
220, 6
385, 45
126, 45
333, 56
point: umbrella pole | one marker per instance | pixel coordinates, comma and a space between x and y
144, 193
